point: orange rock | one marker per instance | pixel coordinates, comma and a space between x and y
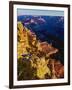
47, 48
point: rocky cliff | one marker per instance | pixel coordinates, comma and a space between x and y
34, 57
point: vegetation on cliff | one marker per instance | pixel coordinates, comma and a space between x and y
34, 57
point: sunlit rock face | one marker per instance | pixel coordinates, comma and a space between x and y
48, 29
34, 57
47, 48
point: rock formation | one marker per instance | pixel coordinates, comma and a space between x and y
34, 61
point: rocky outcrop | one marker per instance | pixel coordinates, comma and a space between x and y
34, 61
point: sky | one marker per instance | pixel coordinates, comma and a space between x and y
39, 12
